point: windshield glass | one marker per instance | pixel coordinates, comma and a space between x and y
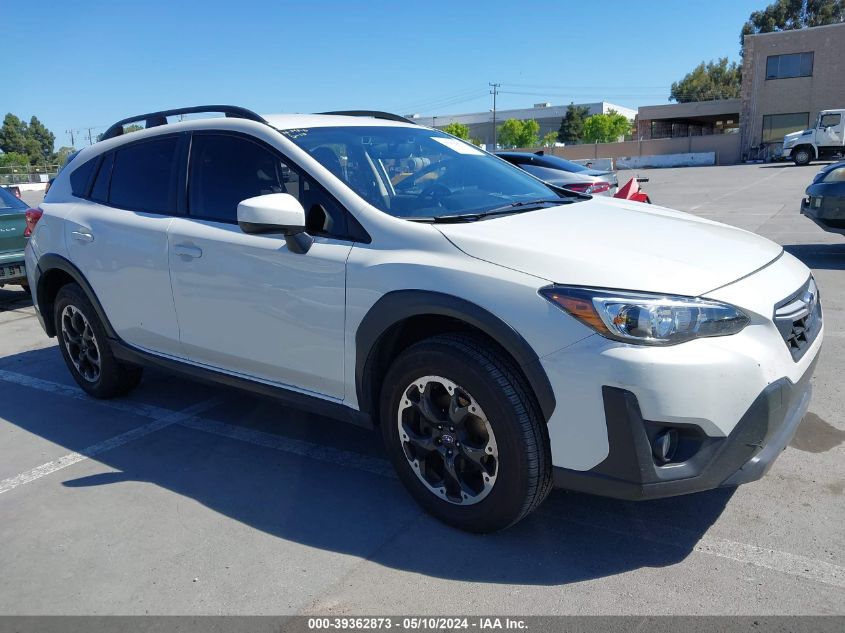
560, 163
418, 173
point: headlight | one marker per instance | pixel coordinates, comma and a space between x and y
647, 319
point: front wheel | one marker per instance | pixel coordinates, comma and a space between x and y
85, 349
802, 156
464, 433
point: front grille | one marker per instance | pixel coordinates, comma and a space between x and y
799, 318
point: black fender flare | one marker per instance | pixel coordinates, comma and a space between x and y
49, 262
399, 305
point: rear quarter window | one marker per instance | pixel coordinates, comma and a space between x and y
80, 178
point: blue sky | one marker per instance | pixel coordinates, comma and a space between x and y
87, 63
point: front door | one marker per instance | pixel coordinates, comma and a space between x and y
245, 303
829, 132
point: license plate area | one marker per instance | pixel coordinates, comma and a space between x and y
12, 271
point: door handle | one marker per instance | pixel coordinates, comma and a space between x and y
82, 236
188, 251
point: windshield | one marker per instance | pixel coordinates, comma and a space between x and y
560, 163
417, 173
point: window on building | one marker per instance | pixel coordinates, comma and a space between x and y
776, 126
793, 65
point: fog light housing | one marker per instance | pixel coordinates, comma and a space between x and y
664, 446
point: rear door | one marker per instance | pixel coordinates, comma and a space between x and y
117, 237
12, 240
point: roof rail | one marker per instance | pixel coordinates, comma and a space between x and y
154, 119
376, 114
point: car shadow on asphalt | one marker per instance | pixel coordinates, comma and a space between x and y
14, 297
333, 505
819, 256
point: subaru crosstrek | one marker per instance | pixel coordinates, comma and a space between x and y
506, 336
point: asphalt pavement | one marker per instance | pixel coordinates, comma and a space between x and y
185, 498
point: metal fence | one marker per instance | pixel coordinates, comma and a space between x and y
19, 175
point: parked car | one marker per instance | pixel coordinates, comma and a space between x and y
825, 201
13, 227
13, 189
564, 173
505, 338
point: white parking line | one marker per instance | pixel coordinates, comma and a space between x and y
784, 562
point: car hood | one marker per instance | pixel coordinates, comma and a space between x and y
612, 243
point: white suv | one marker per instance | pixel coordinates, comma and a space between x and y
505, 336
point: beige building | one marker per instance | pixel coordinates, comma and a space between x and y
787, 77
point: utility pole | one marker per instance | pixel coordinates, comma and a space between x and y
494, 92
72, 137
90, 142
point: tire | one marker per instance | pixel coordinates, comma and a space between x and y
802, 156
510, 472
84, 346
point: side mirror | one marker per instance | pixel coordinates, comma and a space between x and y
276, 213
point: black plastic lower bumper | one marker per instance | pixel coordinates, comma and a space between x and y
631, 472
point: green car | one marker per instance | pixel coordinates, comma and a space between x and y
12, 239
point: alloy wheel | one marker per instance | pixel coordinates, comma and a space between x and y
80, 343
447, 440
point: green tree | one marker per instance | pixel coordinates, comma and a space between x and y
14, 159
713, 80
606, 128
39, 133
62, 154
134, 127
789, 15
457, 129
516, 133
549, 139
572, 125
13, 135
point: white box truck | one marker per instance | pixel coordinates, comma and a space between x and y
825, 140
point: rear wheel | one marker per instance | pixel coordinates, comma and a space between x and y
465, 434
84, 346
802, 156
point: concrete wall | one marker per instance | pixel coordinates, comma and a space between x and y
696, 159
725, 148
825, 89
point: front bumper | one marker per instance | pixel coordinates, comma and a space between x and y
828, 212
631, 472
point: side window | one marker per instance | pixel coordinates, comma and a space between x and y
144, 176
80, 178
100, 191
225, 170
829, 120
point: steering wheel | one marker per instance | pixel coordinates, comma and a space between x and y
435, 192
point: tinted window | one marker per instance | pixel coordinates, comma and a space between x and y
80, 178
100, 191
10, 201
144, 176
785, 66
228, 169
559, 163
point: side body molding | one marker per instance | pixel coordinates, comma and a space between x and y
399, 305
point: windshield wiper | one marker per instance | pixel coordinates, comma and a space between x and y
513, 207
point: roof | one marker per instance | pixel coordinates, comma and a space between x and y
293, 121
